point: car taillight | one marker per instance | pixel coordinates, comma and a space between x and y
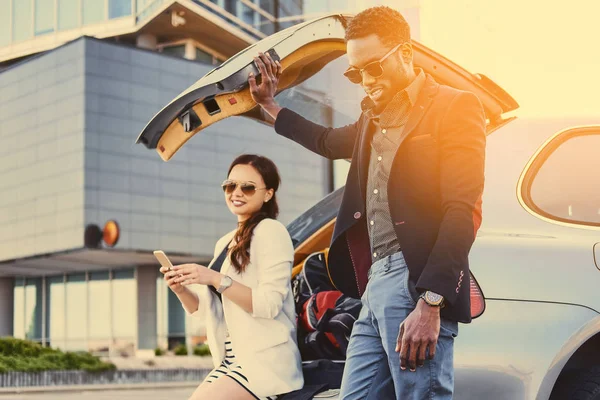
477, 299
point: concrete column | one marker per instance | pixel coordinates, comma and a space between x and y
190, 50
7, 300
146, 284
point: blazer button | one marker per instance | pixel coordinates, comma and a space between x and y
356, 215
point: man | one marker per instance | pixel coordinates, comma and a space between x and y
410, 211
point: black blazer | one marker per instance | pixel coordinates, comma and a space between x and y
434, 191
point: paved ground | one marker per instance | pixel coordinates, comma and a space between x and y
172, 393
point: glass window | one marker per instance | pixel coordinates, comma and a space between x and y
176, 320
268, 6
203, 56
146, 7
77, 312
124, 306
99, 312
33, 309
5, 23
295, 7
565, 186
22, 20
162, 331
175, 51
93, 11
19, 309
44, 16
246, 14
230, 6
119, 8
266, 26
68, 14
55, 309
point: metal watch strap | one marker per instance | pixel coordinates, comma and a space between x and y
226, 282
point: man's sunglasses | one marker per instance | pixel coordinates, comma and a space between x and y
375, 69
247, 188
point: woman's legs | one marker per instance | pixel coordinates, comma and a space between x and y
224, 388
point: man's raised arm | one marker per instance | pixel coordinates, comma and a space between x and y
332, 143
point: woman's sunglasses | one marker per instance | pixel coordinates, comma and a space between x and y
247, 188
375, 69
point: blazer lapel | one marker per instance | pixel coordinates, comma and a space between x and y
424, 100
226, 264
364, 154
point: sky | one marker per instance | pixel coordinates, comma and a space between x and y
545, 53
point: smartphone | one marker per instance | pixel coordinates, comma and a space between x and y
163, 259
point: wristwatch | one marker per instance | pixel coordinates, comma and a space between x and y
433, 299
226, 282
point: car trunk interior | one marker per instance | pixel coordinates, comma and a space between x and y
318, 241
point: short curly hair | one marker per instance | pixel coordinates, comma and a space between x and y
385, 22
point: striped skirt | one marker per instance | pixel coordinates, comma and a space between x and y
229, 367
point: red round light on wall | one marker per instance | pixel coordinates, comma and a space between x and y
110, 233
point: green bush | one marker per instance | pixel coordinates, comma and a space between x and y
24, 355
159, 352
180, 350
202, 350
10, 346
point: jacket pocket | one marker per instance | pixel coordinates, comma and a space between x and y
416, 138
267, 338
421, 140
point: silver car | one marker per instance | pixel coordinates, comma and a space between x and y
535, 291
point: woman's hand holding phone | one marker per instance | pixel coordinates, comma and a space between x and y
179, 276
166, 269
187, 274
170, 277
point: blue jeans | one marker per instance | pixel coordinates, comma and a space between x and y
372, 365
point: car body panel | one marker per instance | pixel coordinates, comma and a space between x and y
536, 268
507, 154
303, 50
516, 349
597, 255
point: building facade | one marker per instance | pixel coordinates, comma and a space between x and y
79, 79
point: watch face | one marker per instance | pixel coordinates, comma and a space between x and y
433, 297
226, 282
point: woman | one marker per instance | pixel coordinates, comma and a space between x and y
245, 293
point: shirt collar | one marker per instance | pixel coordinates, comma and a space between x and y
412, 90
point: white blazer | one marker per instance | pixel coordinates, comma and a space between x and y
264, 342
